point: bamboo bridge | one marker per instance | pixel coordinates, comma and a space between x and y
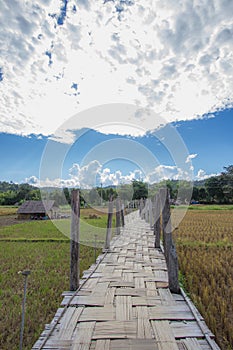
127, 300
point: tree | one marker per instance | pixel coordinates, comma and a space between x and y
195, 194
226, 179
228, 170
214, 189
58, 196
125, 192
185, 191
34, 195
67, 195
202, 194
110, 192
140, 189
94, 196
24, 192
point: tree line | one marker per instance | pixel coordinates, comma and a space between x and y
216, 189
12, 194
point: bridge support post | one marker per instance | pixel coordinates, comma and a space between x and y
141, 206
109, 224
173, 277
118, 216
157, 225
150, 212
147, 210
122, 214
74, 240
169, 246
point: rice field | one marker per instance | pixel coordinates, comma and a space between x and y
204, 241
40, 247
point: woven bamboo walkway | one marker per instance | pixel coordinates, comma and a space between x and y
124, 303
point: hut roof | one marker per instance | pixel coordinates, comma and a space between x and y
32, 207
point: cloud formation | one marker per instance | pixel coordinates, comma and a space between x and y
94, 174
201, 175
173, 57
190, 157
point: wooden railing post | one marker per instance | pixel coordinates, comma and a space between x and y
109, 224
150, 212
173, 275
74, 240
157, 226
122, 214
147, 211
169, 247
118, 216
141, 206
166, 221
144, 210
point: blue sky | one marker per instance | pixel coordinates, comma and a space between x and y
209, 142
115, 84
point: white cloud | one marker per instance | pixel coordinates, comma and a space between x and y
173, 57
33, 180
165, 172
107, 178
85, 176
201, 175
93, 174
190, 157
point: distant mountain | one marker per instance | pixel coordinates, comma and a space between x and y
199, 183
11, 186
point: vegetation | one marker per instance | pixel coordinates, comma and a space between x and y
216, 189
49, 265
40, 247
11, 193
140, 189
16, 194
204, 243
205, 249
7, 210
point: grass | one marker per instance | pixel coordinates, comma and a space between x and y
204, 207
211, 207
40, 247
7, 210
49, 265
91, 230
31, 230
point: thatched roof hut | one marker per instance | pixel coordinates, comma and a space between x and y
37, 209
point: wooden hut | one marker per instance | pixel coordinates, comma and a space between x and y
37, 210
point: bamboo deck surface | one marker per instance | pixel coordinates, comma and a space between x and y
125, 303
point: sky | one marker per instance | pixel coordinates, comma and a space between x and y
105, 91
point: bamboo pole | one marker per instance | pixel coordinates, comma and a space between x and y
169, 246
118, 216
157, 224
150, 212
109, 224
122, 215
166, 221
141, 205
74, 240
147, 210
